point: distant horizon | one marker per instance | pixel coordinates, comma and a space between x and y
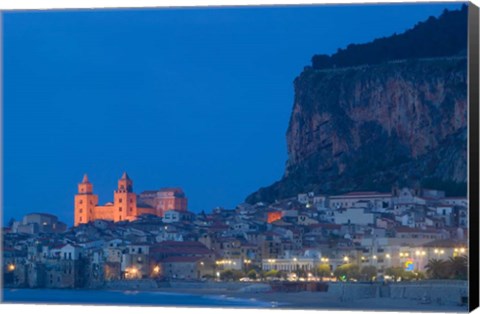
193, 98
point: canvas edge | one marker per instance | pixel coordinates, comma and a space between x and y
473, 152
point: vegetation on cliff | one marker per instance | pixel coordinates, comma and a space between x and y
435, 37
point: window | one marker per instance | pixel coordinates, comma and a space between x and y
80, 219
80, 210
80, 202
131, 209
119, 209
119, 200
122, 187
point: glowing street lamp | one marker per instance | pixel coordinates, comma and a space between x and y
11, 267
346, 259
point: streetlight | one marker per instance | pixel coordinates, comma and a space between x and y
11, 267
346, 259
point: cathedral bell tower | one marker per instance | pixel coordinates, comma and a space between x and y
85, 202
125, 201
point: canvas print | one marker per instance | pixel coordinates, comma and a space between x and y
305, 157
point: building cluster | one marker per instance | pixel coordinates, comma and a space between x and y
404, 228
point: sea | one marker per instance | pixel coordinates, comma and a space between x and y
137, 298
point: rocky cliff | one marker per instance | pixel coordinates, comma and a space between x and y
384, 121
371, 127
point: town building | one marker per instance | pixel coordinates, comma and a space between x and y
39, 223
165, 199
374, 200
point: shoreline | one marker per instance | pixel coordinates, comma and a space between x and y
321, 300
304, 300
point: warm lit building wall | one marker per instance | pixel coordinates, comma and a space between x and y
104, 212
124, 200
274, 216
146, 210
84, 208
125, 206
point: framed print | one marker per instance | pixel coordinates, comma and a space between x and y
320, 157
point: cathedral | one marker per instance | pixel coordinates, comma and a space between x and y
126, 204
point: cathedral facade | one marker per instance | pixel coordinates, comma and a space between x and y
126, 205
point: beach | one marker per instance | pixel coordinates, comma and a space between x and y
233, 295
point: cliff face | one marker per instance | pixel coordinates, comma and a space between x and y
374, 126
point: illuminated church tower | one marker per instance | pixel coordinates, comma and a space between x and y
124, 200
85, 202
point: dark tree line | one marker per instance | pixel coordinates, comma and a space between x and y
435, 37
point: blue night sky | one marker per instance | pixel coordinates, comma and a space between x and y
196, 98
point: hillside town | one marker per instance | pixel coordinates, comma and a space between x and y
359, 236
